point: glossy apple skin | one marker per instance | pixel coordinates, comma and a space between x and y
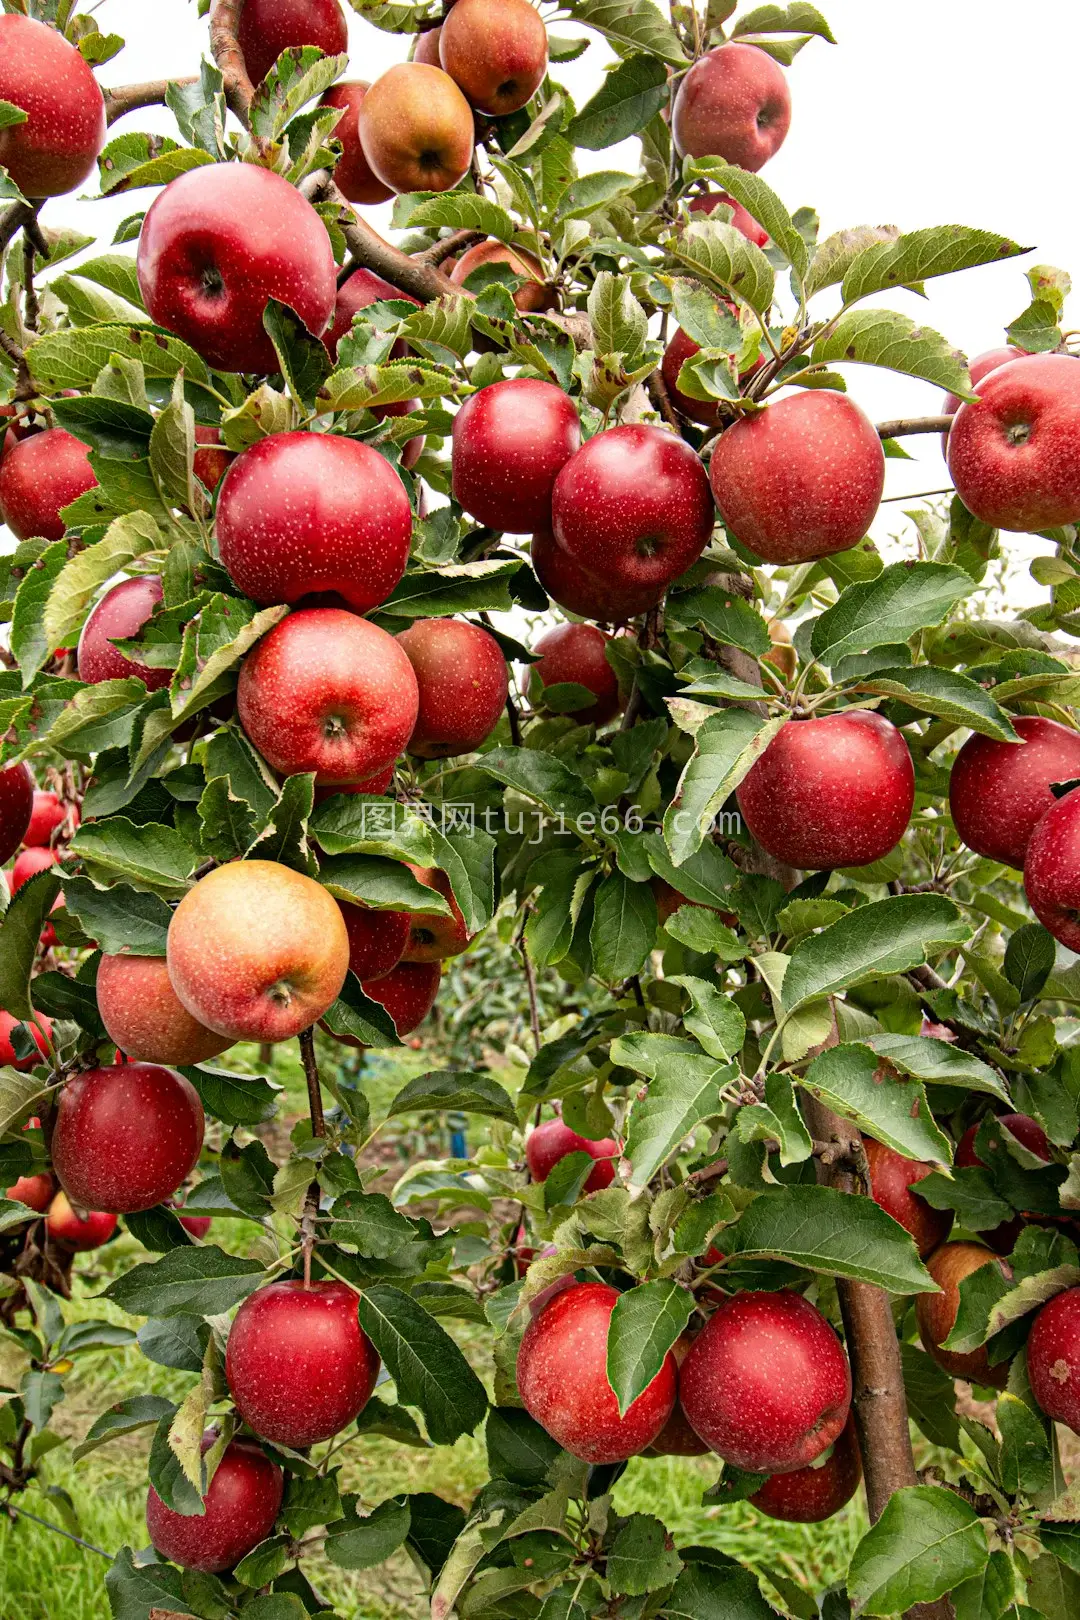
532, 296
144, 1016
16, 808
982, 365
462, 684
576, 653
120, 615
377, 784
41, 474
257, 951
935, 1314
126, 1136
425, 47
377, 939
407, 992
837, 791
312, 515
197, 1225
809, 1495
352, 173
65, 1227
744, 222
999, 792
1014, 453
49, 813
56, 148
1052, 870
216, 245
496, 51
734, 103
433, 938
677, 1438
510, 443
562, 1379
891, 1176
681, 348
1053, 1358
554, 1139
327, 692
633, 507
766, 1382
240, 1511
1002, 1238
299, 1365
40, 1028
212, 460
578, 592
29, 863
36, 1192
801, 479
363, 287
416, 129
268, 27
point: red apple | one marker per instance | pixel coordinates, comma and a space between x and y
16, 808
212, 460
578, 592
55, 150
836, 791
72, 1231
677, 1438
327, 692
144, 1016
632, 507
40, 1028
462, 683
576, 654
681, 348
416, 129
29, 864
1014, 453
935, 1314
1053, 1358
744, 222
353, 173
1028, 1131
363, 287
43, 473
497, 51
891, 1178
119, 616
734, 103
126, 1136
554, 1139
426, 47
197, 1225
268, 27
377, 939
999, 792
808, 1495
511, 441
240, 1511
1052, 870
36, 1192
980, 367
562, 1380
801, 479
49, 813
433, 938
216, 245
533, 296
407, 992
299, 1365
257, 951
377, 784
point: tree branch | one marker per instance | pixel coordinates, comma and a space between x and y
318, 1128
127, 97
225, 46
12, 221
905, 426
447, 246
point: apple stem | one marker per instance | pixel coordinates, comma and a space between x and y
318, 1128
905, 426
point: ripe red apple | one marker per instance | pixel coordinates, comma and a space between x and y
836, 791
376, 784
377, 939
497, 51
562, 1379
212, 460
554, 1139
197, 1225
56, 148
999, 792
49, 813
407, 992
43, 473
144, 1016
240, 1511
734, 103
980, 367
363, 287
1053, 1358
782, 655
462, 683
511, 441
576, 653
1002, 1238
268, 27
216, 245
891, 1176
36, 1192
257, 951
632, 507
433, 938
119, 616
314, 515
935, 1314
426, 47
353, 172
1052, 870
16, 808
533, 296
808, 1495
801, 479
578, 592
416, 129
744, 222
681, 348
327, 692
40, 1028
126, 1136
65, 1227
1014, 453
677, 1438
29, 863
766, 1382
299, 1365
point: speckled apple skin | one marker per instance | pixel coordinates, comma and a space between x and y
299, 1365
330, 693
734, 103
40, 1028
41, 474
562, 1379
363, 287
554, 1139
577, 653
681, 347
29, 862
257, 951
766, 1382
240, 1511
56, 148
146, 1018
16, 808
1035, 483
743, 221
510, 442
935, 1314
677, 1438
633, 507
578, 592
36, 1192
998, 792
311, 514
432, 937
407, 992
982, 365
48, 813
417, 129
809, 1495
533, 295
497, 51
253, 234
837, 791
126, 1136
64, 1226
891, 1176
801, 479
120, 615
377, 939
268, 27
1053, 1358
1052, 870
352, 172
462, 684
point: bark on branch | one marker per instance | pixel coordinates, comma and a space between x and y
904, 426
225, 47
127, 97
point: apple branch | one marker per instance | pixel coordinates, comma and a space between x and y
128, 97
905, 426
447, 246
318, 1128
225, 48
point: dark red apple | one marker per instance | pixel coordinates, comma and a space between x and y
363, 287
809, 1495
935, 1314
407, 992
268, 27
432, 937
16, 808
377, 939
1014, 453
744, 222
577, 654
240, 1511
72, 1231
581, 593
212, 459
677, 1438
462, 684
891, 1178
49, 813
377, 784
426, 47
496, 51
56, 148
126, 1136
40, 1028
999, 792
533, 296
734, 103
119, 616
1053, 1358
29, 863
1028, 1131
353, 173
197, 1225
144, 1016
1052, 870
554, 1139
681, 348
511, 441
43, 473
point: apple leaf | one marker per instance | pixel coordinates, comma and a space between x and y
362, 1541
882, 337
20, 931
926, 1542
379, 884
186, 1282
633, 93
302, 358
722, 255
683, 1094
629, 24
891, 1107
135, 1412
456, 1090
901, 600
133, 160
543, 778
426, 1365
831, 1232
759, 199
938, 1063
725, 616
474, 587
150, 856
726, 747
74, 358
946, 695
937, 250
623, 927
461, 211
1043, 1263
361, 824
357, 1015
887, 936
714, 1020
235, 1099
641, 1559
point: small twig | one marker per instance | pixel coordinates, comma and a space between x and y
31, 308
225, 46
318, 1129
445, 249
530, 982
12, 221
128, 97
9, 1507
515, 722
905, 426
661, 399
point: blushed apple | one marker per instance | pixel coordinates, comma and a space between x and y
1052, 870
809, 1495
433, 937
891, 1178
743, 221
240, 1510
462, 685
734, 103
126, 1136
119, 616
55, 149
579, 592
352, 173
935, 1314
377, 939
72, 1231
496, 51
40, 1029
552, 1140
416, 129
511, 440
407, 992
49, 813
533, 296
144, 1016
1053, 1358
1014, 453
576, 654
268, 27
41, 474
362, 288
16, 808
999, 791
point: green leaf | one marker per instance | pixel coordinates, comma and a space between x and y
369, 1223
356, 824
937, 250
630, 25
20, 932
121, 920
361, 1543
645, 1323
300, 75
882, 337
831, 1232
903, 599
679, 1098
938, 1063
707, 877
620, 325
426, 1365
1029, 960
633, 93
475, 587
186, 1282
11, 114
925, 1543
355, 1013
235, 1099
73, 359
641, 1559
126, 539
946, 695
970, 1193
759, 200
726, 617
1026, 1463
931, 1398
887, 936
890, 1106
623, 927
463, 210
727, 746
715, 1020
798, 17
723, 1590
302, 358
151, 856
542, 778
134, 1412
133, 160
456, 1091
29, 643
722, 255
